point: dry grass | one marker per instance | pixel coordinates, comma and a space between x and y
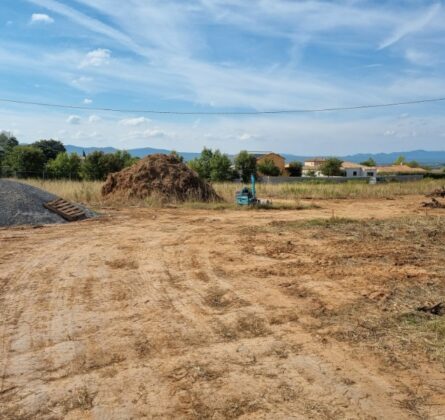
88, 192
122, 264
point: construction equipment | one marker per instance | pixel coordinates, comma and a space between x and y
247, 197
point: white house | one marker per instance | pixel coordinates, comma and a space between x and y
355, 170
312, 167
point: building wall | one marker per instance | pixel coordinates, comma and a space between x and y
360, 172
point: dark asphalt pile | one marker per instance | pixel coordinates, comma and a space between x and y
22, 204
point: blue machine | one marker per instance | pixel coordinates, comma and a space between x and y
247, 197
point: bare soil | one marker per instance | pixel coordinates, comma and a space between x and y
185, 313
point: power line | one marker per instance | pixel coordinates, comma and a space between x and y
284, 111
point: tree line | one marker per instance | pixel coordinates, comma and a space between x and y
49, 159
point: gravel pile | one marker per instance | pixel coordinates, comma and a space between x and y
22, 204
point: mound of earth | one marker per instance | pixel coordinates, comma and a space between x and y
163, 177
22, 204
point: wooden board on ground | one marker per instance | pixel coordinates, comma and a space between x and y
65, 209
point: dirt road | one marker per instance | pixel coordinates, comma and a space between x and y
210, 314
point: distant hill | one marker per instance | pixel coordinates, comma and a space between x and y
146, 151
421, 156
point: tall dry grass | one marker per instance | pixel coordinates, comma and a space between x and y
88, 192
298, 191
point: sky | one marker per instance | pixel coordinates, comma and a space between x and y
228, 56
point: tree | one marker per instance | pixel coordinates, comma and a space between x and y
400, 160
178, 157
202, 165
268, 168
246, 165
413, 164
27, 161
369, 162
331, 167
7, 143
98, 165
50, 148
221, 167
93, 167
295, 168
213, 166
64, 166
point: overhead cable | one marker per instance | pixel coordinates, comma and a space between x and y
210, 113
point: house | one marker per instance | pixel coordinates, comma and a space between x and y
355, 170
312, 167
277, 159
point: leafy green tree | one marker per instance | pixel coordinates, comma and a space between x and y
401, 160
268, 168
369, 162
26, 161
246, 165
97, 165
64, 166
125, 159
213, 166
7, 143
295, 168
50, 148
93, 167
202, 165
221, 167
178, 157
332, 167
413, 164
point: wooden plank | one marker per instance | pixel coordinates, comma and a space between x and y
65, 209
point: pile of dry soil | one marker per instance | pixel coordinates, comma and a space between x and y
163, 177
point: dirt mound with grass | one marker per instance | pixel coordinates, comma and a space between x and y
161, 177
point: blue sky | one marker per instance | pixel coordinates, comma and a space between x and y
225, 55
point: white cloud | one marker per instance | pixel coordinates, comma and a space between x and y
74, 120
83, 83
94, 119
389, 133
245, 136
134, 122
154, 133
96, 58
41, 18
411, 26
420, 58
87, 101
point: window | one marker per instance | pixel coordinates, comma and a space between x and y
370, 173
354, 173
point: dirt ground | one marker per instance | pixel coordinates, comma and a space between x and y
181, 313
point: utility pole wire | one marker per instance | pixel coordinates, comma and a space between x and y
284, 111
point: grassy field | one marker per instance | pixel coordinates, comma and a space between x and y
89, 192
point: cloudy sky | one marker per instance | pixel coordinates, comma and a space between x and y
225, 55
